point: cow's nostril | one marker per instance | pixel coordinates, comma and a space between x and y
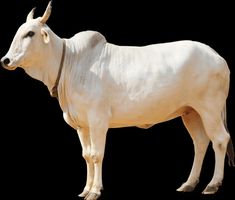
6, 61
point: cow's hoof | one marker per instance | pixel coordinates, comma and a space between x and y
186, 188
84, 193
211, 189
92, 196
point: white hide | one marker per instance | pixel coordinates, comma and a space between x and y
103, 86
135, 86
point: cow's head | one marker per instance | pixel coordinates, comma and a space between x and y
28, 45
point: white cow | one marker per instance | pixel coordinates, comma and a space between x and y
102, 85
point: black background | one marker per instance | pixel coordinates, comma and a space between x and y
41, 155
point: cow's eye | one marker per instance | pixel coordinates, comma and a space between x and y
30, 34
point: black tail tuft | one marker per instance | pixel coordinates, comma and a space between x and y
230, 149
230, 154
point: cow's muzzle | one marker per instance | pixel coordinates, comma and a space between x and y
5, 62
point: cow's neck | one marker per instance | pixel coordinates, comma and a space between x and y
47, 70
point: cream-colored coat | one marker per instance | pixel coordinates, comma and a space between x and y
103, 86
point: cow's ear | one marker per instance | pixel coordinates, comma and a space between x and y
45, 35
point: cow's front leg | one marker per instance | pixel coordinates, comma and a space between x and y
84, 137
98, 126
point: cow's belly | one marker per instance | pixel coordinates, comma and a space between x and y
143, 118
128, 114
146, 115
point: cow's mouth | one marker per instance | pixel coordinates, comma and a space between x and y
8, 67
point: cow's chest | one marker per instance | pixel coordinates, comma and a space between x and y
75, 111
75, 117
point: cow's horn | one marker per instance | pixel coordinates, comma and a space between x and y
30, 15
46, 14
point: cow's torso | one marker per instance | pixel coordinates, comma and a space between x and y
134, 86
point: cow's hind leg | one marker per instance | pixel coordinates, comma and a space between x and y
86, 146
217, 133
193, 123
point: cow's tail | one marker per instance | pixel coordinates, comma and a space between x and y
230, 149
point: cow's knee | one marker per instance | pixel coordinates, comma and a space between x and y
96, 157
86, 155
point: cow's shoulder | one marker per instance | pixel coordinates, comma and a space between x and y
89, 39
